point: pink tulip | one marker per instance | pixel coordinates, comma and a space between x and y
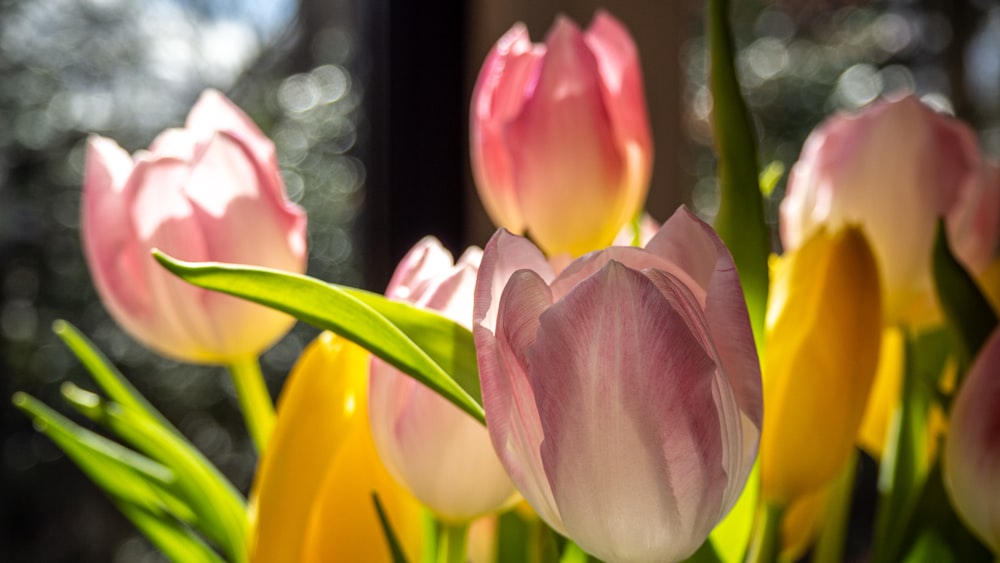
560, 137
209, 192
895, 167
972, 447
623, 395
438, 452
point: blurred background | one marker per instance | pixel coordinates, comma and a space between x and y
367, 102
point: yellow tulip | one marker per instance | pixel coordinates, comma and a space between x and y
311, 499
824, 325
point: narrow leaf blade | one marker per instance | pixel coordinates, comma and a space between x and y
331, 308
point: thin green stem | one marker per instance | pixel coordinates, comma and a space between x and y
765, 546
453, 540
830, 546
255, 402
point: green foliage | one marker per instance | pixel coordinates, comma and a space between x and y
740, 222
165, 486
417, 342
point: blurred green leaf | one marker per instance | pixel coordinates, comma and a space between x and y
221, 509
740, 221
968, 311
105, 374
732, 536
173, 540
390, 536
138, 486
905, 465
333, 308
448, 343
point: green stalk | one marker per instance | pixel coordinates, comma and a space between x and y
453, 540
255, 402
836, 514
765, 546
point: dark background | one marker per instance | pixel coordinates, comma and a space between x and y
367, 101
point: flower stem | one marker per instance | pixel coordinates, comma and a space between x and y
255, 402
832, 536
452, 542
765, 546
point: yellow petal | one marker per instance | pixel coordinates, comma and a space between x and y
884, 396
824, 330
321, 428
801, 523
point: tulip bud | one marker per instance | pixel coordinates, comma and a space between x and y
894, 168
210, 192
622, 395
440, 453
972, 451
824, 326
311, 498
560, 136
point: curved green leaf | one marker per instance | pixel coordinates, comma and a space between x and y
740, 221
968, 311
350, 314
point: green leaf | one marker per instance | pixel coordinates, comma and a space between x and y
740, 221
332, 308
705, 554
221, 509
731, 537
904, 466
390, 536
935, 531
105, 374
448, 343
121, 472
173, 540
968, 311
138, 486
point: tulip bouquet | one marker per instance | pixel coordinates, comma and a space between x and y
590, 384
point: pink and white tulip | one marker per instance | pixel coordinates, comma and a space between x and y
623, 395
560, 144
895, 167
438, 452
209, 192
972, 447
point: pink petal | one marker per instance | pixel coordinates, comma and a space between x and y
108, 236
442, 454
213, 112
425, 260
511, 414
504, 254
621, 76
567, 166
625, 396
695, 247
505, 81
634, 258
972, 449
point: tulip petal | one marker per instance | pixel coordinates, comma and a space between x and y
972, 455
420, 264
512, 417
436, 449
305, 507
568, 171
504, 254
618, 64
824, 320
108, 241
621, 82
627, 439
505, 81
634, 258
